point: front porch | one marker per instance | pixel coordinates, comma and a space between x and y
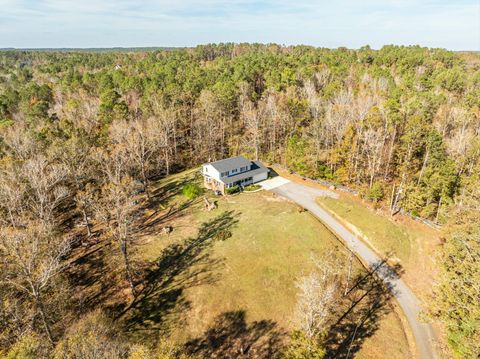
213, 184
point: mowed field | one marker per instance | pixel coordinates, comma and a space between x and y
235, 270
411, 244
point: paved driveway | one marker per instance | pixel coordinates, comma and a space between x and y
305, 196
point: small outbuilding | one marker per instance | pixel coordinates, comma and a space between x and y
231, 172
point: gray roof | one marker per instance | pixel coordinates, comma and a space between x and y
229, 164
257, 168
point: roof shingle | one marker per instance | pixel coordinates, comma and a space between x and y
229, 164
257, 168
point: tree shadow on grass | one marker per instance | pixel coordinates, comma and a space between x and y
163, 194
161, 301
157, 219
91, 274
360, 312
163, 204
231, 337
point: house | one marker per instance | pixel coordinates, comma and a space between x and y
231, 172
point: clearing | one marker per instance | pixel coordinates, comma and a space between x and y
225, 280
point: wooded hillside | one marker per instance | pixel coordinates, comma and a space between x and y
82, 133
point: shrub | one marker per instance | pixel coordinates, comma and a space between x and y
252, 187
303, 347
232, 190
92, 336
324, 172
6, 122
192, 190
29, 346
375, 193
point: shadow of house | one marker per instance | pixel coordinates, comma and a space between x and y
231, 337
161, 301
272, 173
360, 312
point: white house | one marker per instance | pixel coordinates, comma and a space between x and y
231, 172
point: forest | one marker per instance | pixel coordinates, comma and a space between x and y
81, 133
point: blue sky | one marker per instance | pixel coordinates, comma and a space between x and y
452, 24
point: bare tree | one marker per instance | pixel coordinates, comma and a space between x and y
145, 141
85, 200
12, 195
116, 207
116, 211
253, 126
93, 336
31, 260
210, 127
34, 189
46, 189
20, 142
316, 298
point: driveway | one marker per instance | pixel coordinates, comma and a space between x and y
305, 196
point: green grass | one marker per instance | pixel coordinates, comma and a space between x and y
270, 247
252, 187
385, 235
270, 244
401, 238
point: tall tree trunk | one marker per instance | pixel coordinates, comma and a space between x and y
86, 222
43, 316
390, 154
167, 161
126, 262
425, 160
438, 209
145, 180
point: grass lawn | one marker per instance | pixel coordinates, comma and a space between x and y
411, 242
233, 270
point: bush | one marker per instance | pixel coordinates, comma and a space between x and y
324, 172
6, 122
92, 336
252, 187
192, 190
30, 346
375, 193
303, 347
232, 190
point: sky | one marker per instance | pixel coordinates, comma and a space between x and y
451, 24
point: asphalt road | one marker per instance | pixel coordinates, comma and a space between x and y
305, 196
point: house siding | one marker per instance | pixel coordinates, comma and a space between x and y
217, 179
260, 177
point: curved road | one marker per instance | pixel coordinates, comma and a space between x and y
305, 196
